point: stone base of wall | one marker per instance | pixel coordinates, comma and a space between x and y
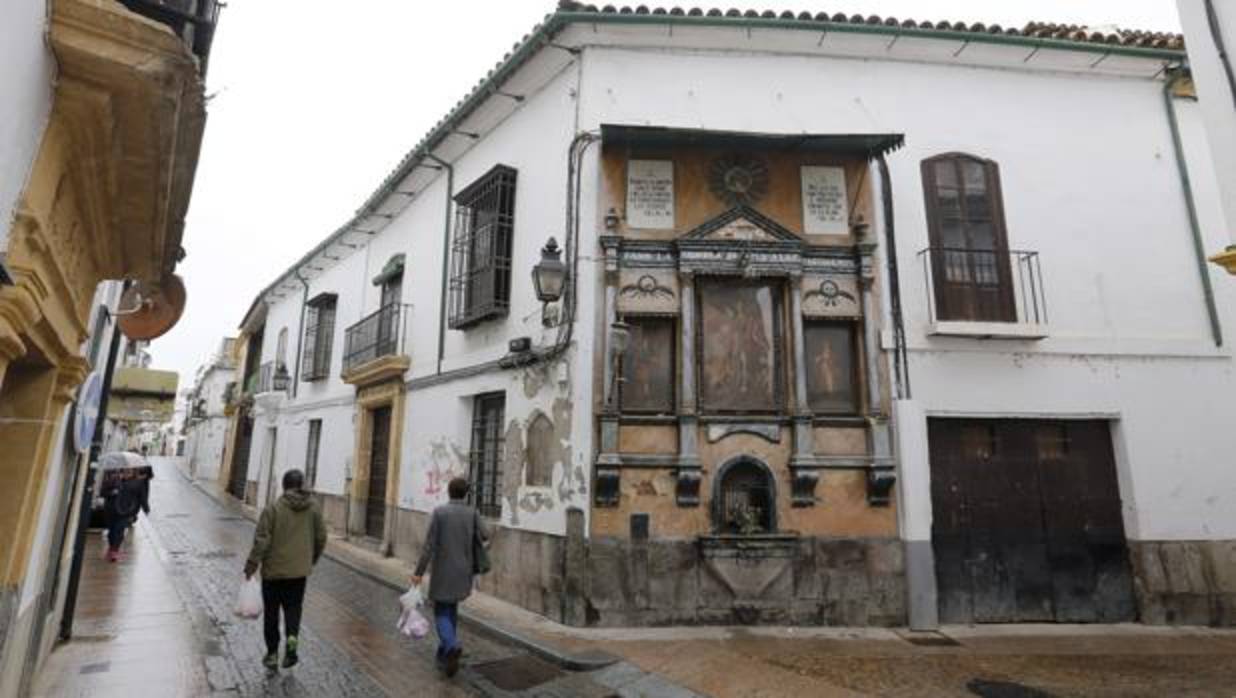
716, 581
334, 511
1185, 582
610, 582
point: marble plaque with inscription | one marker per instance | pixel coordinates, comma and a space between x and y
826, 209
650, 194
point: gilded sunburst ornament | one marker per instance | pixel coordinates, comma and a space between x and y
738, 179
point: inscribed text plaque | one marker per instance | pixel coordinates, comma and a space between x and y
826, 209
650, 194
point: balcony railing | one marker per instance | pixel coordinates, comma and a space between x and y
987, 287
379, 334
192, 20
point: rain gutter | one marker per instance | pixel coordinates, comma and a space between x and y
1182, 169
891, 31
300, 331
446, 254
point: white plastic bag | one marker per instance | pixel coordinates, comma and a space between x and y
249, 600
411, 623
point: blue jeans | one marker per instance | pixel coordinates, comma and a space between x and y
446, 620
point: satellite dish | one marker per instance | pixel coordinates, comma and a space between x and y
148, 310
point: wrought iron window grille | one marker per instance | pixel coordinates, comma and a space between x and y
485, 456
480, 280
319, 338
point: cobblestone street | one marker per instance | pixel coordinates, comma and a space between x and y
160, 622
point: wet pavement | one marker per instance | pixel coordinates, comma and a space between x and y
160, 622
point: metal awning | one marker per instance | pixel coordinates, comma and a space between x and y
869, 145
390, 270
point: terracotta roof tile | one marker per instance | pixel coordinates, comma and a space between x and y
1040, 30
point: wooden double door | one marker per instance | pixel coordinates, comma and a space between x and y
1027, 522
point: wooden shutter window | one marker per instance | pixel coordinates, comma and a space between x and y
970, 264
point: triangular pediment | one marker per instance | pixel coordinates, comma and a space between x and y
742, 223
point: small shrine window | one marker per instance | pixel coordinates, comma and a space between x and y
746, 502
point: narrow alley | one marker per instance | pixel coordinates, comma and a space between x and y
184, 563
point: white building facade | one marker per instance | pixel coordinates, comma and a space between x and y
858, 316
205, 421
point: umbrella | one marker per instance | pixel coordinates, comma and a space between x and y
119, 460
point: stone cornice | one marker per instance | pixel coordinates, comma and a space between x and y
380, 369
130, 100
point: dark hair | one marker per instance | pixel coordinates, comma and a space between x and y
293, 480
458, 488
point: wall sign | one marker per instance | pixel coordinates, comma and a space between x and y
86, 413
650, 194
826, 209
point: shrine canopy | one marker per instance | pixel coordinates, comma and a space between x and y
869, 145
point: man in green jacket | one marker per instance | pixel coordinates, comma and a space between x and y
290, 538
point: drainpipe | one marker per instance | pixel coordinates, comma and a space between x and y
87, 502
901, 362
1182, 169
446, 254
300, 331
1216, 34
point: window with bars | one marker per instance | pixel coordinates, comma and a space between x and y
485, 458
480, 282
319, 335
311, 453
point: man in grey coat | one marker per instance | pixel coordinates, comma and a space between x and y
448, 550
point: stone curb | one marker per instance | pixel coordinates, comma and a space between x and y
336, 551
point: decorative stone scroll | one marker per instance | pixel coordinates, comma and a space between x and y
769, 432
648, 291
826, 209
831, 296
880, 485
650, 194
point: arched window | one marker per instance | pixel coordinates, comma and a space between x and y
744, 498
970, 263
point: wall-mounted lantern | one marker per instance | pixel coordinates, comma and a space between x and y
281, 379
549, 275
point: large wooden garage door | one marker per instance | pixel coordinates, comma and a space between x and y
1027, 523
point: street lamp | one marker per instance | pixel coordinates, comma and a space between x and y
281, 378
549, 275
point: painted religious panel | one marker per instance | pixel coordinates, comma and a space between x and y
832, 378
648, 366
740, 346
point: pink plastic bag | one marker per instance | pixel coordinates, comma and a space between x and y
411, 623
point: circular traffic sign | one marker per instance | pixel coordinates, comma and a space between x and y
86, 415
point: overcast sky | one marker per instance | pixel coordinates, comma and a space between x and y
312, 107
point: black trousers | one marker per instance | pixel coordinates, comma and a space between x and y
285, 594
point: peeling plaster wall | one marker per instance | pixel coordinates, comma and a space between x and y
26, 73
437, 435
